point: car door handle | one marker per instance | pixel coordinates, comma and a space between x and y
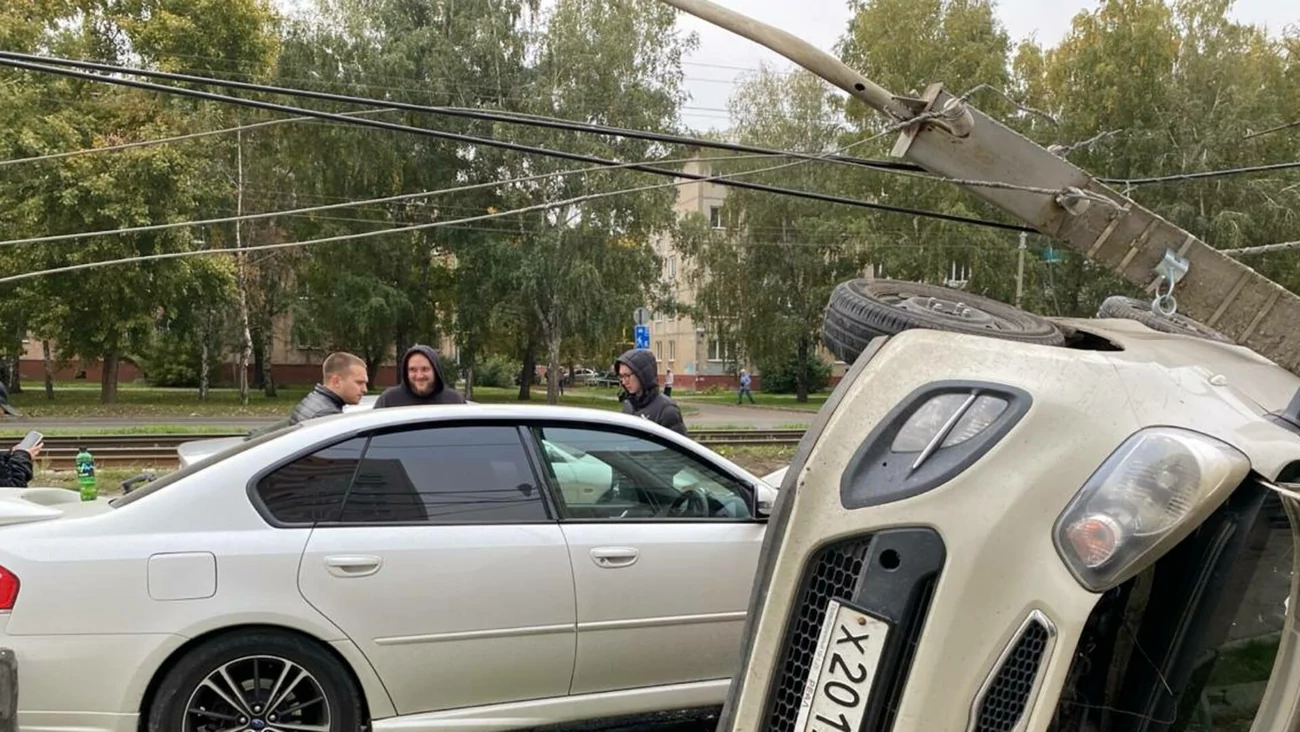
355, 565
614, 557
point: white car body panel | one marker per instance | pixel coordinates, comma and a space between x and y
496, 622
631, 633
460, 622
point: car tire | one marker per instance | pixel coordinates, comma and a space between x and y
862, 309
253, 662
1129, 308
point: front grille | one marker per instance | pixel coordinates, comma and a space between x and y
895, 684
831, 574
1005, 700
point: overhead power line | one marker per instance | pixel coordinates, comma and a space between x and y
1203, 174
177, 138
324, 207
1264, 249
1271, 130
7, 60
416, 227
517, 118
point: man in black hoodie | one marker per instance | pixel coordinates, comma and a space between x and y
638, 373
420, 381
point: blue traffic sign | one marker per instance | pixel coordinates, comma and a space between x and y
642, 336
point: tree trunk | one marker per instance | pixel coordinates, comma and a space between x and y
803, 354
553, 367
15, 374
241, 277
15, 361
468, 359
373, 365
528, 371
259, 355
268, 347
108, 380
205, 358
47, 360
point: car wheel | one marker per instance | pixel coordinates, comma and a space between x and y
863, 309
258, 681
1128, 308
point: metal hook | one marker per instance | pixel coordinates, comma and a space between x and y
1172, 269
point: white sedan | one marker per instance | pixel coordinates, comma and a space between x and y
423, 568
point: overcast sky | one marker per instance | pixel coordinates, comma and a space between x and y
712, 70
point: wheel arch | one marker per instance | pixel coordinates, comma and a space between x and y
375, 701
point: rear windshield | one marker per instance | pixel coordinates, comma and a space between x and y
253, 440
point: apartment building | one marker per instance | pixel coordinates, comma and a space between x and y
698, 359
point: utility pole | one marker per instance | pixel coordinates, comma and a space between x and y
951, 138
1020, 268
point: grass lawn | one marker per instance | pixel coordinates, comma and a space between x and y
144, 429
776, 401
80, 399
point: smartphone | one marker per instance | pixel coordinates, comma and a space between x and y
32, 439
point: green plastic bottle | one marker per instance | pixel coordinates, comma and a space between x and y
86, 475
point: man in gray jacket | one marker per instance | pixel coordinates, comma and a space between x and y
638, 374
343, 381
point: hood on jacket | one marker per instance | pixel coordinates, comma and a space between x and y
643, 364
430, 354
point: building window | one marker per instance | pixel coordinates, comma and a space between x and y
672, 268
718, 350
672, 351
715, 217
659, 349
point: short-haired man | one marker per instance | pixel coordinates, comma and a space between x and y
343, 381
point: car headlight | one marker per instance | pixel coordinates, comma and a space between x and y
934, 434
1142, 500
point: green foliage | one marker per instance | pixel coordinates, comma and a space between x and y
784, 376
496, 371
1164, 87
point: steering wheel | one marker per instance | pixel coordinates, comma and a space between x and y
694, 504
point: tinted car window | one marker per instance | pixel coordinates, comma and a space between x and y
445, 475
312, 488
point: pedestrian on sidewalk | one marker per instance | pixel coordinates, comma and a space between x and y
668, 383
744, 388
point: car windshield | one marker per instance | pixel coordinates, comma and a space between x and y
253, 440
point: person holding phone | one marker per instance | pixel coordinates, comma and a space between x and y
16, 464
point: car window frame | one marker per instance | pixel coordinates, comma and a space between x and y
533, 426
265, 511
549, 510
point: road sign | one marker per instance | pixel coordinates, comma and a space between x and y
641, 316
643, 336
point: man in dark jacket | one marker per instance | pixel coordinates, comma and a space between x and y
638, 373
343, 381
420, 381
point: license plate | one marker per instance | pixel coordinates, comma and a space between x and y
843, 669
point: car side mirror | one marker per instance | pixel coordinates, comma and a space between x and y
761, 500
